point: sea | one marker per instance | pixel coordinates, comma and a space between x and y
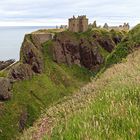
11, 39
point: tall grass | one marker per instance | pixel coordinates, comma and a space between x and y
129, 43
112, 111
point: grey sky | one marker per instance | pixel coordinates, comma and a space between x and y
56, 12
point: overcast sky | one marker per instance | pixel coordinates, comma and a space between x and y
56, 12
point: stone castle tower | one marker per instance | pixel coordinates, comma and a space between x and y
79, 24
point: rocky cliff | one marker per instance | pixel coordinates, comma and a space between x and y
87, 49
31, 57
31, 62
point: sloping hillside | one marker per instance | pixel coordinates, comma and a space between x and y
107, 108
129, 43
41, 81
32, 96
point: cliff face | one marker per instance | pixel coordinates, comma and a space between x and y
31, 57
31, 53
87, 49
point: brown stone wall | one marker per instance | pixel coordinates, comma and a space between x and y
83, 25
79, 24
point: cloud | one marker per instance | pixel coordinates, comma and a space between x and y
46, 11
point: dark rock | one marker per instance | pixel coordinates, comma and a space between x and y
31, 57
5, 89
22, 120
30, 54
80, 51
31, 50
5, 64
21, 71
91, 57
107, 45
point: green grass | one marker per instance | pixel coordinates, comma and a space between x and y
42, 91
107, 108
127, 46
38, 93
3, 73
113, 113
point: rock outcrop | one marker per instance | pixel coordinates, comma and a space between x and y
5, 64
31, 62
31, 54
83, 50
21, 71
5, 89
31, 50
31, 57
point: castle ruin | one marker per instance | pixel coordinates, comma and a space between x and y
79, 24
125, 27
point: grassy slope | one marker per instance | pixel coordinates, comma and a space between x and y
36, 94
112, 111
127, 45
42, 91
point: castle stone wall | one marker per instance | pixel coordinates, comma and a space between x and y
79, 24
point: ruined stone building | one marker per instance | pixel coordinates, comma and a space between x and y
125, 27
79, 24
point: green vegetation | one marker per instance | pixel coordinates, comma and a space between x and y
3, 73
34, 95
112, 111
108, 107
49, 31
127, 45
